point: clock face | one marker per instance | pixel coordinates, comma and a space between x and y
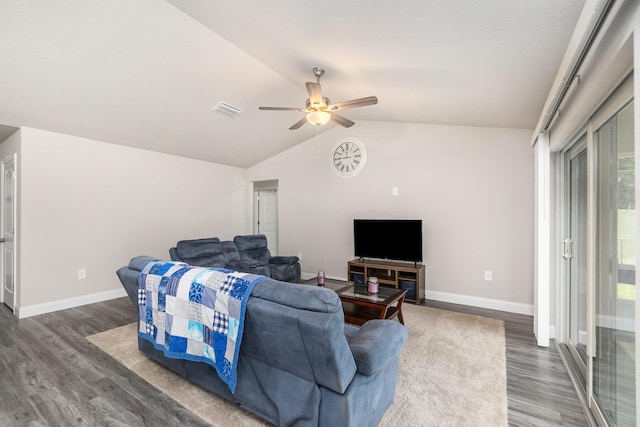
348, 157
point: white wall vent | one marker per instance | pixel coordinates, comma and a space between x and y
227, 110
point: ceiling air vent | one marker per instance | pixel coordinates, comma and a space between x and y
227, 110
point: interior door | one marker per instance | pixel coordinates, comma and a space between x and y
7, 233
267, 217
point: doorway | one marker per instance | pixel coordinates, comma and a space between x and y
8, 187
265, 212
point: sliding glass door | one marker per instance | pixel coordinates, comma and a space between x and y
575, 251
598, 296
614, 363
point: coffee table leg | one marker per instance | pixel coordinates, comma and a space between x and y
400, 310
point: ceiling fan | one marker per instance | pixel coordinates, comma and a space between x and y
318, 110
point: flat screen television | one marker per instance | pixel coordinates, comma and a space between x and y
392, 239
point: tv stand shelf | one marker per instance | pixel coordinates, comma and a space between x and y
392, 274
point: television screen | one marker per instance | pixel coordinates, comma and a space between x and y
393, 239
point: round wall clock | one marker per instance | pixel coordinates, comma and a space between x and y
348, 157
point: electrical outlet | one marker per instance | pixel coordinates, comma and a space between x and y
82, 273
300, 255
394, 191
488, 275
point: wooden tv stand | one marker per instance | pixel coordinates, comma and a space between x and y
394, 274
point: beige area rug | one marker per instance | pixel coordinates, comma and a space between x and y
452, 373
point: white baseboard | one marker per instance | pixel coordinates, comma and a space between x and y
307, 276
63, 304
492, 304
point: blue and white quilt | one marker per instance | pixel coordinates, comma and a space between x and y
195, 313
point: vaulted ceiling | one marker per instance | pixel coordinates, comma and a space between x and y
146, 73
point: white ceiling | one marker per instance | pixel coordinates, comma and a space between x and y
145, 73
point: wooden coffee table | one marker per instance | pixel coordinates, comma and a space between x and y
359, 305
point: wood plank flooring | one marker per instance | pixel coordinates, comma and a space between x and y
50, 375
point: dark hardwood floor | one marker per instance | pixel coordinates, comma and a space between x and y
50, 375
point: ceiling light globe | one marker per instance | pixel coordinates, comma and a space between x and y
318, 118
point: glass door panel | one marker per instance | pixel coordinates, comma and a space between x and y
577, 255
615, 294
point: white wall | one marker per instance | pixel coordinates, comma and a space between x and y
472, 187
93, 205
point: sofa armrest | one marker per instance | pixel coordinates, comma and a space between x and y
138, 263
287, 260
375, 343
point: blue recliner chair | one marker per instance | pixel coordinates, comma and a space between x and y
254, 248
199, 252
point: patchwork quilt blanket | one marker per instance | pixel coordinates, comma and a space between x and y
195, 313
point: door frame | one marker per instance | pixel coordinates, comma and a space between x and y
265, 186
580, 145
11, 158
258, 210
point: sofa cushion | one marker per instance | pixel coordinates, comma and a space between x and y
286, 260
198, 248
249, 266
285, 272
369, 352
199, 252
301, 297
243, 264
250, 242
230, 251
254, 247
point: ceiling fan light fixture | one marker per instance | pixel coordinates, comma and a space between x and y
318, 118
319, 110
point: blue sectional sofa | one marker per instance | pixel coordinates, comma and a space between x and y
299, 363
249, 254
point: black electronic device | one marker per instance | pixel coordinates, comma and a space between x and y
392, 239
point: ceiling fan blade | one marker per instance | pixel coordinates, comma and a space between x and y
342, 121
282, 108
299, 123
315, 94
369, 100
